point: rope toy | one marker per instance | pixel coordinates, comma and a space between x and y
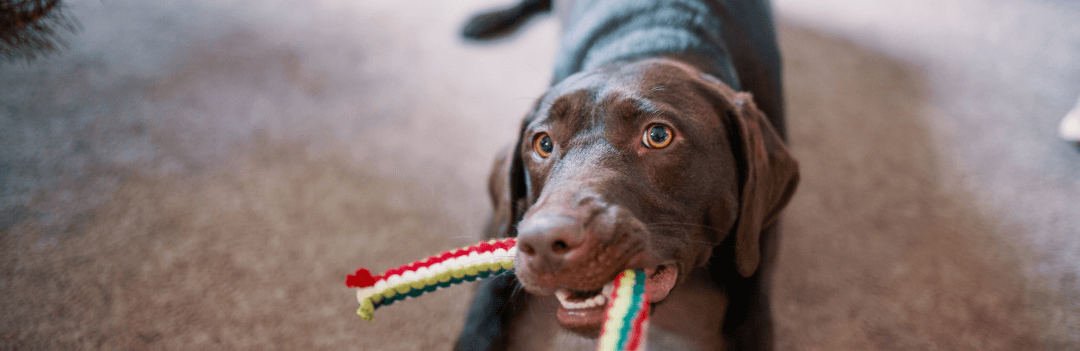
440, 271
627, 312
627, 317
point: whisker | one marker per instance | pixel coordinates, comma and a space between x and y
657, 224
514, 294
517, 289
662, 225
706, 242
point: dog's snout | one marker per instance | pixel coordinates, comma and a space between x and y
547, 242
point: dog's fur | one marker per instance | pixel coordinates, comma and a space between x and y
699, 215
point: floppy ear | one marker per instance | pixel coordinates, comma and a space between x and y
506, 187
496, 301
769, 181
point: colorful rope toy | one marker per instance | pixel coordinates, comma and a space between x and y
448, 268
627, 313
627, 317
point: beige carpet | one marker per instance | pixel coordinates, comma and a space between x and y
202, 175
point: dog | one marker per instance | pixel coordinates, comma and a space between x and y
660, 146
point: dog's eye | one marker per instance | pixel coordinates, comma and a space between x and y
656, 136
543, 145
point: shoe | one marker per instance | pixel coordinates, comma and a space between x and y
501, 23
1070, 125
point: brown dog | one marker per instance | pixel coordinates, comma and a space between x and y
641, 161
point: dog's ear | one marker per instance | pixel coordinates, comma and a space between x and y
507, 188
769, 175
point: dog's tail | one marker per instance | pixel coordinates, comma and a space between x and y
500, 23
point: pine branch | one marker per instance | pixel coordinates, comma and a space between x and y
30, 29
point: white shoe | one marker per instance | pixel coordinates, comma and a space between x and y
1070, 125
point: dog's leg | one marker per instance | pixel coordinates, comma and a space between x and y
748, 323
487, 326
499, 23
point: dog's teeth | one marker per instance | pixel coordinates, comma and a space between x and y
598, 300
564, 300
608, 289
563, 295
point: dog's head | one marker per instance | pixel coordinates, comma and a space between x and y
647, 165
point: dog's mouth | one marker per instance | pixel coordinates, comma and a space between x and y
584, 310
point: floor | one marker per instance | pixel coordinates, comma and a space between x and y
203, 174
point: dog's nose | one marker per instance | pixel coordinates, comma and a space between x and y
548, 242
